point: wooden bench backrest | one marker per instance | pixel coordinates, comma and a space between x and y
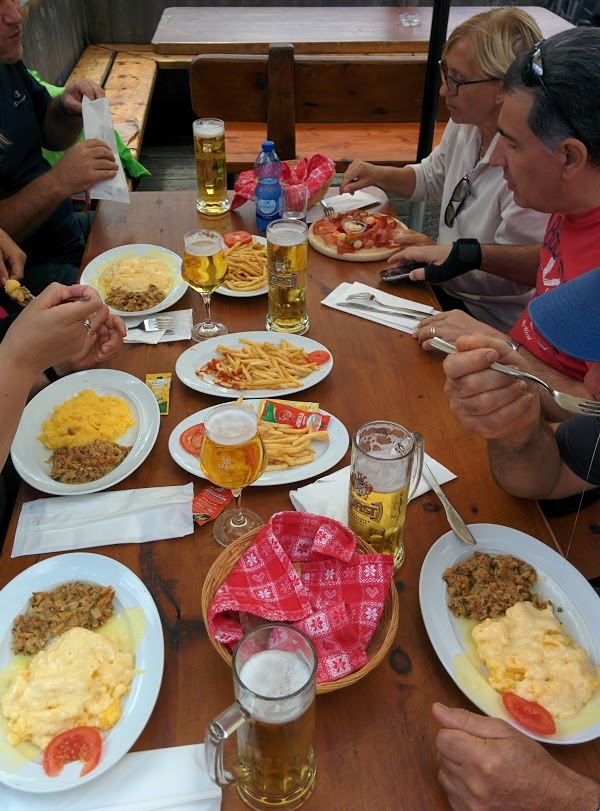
285, 90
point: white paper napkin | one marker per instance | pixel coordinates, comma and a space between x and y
65, 523
329, 496
182, 329
342, 203
342, 291
97, 123
156, 780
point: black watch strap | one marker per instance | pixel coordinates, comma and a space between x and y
51, 374
464, 256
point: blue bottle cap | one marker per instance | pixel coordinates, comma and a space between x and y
268, 146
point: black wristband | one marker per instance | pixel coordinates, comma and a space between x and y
464, 256
51, 374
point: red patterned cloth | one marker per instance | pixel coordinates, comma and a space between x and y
316, 171
303, 569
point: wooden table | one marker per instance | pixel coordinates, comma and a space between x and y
374, 740
311, 29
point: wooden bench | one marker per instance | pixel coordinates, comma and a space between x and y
363, 106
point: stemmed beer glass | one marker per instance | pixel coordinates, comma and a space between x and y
204, 268
233, 456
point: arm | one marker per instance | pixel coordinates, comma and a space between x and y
63, 121
398, 180
485, 763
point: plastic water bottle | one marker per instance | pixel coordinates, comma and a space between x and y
267, 170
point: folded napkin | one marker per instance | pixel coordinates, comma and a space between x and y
65, 523
342, 203
155, 780
303, 569
342, 291
329, 495
182, 329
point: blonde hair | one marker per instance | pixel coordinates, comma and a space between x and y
497, 37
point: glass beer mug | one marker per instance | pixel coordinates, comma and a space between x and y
287, 260
274, 679
385, 470
211, 167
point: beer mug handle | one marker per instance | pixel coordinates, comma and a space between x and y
417, 464
223, 726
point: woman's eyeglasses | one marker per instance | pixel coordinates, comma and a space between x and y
461, 191
454, 85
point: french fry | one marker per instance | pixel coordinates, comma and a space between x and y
287, 446
246, 266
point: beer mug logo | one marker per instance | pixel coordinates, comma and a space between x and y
360, 485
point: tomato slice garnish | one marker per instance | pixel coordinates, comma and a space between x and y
192, 438
529, 714
80, 743
318, 356
235, 237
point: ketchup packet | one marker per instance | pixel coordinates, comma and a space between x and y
298, 415
209, 503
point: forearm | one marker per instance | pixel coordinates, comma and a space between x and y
24, 212
397, 180
61, 128
557, 380
15, 385
518, 263
527, 466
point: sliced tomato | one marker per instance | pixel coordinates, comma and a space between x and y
80, 743
192, 438
324, 227
529, 714
235, 237
319, 356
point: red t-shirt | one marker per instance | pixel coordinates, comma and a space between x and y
571, 247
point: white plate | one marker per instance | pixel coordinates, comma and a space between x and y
90, 274
225, 291
558, 581
30, 456
137, 705
327, 454
195, 357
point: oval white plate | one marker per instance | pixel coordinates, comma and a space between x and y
136, 706
90, 274
225, 291
30, 456
327, 454
558, 581
195, 357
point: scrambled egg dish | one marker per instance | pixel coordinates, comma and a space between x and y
134, 274
77, 680
85, 418
527, 653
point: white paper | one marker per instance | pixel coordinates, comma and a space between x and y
329, 496
182, 329
342, 203
66, 523
155, 780
97, 123
343, 290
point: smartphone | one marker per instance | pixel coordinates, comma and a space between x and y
399, 273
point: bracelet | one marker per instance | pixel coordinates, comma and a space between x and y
51, 374
64, 109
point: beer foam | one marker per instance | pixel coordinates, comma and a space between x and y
203, 247
209, 129
275, 674
286, 237
231, 425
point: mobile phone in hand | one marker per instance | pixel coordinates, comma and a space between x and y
399, 273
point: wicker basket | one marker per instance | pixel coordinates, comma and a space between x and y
377, 648
320, 193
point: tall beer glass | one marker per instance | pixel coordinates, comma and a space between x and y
204, 268
287, 258
274, 679
233, 456
211, 168
385, 470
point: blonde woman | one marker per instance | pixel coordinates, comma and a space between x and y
477, 207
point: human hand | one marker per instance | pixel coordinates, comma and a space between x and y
83, 165
428, 253
487, 764
102, 344
489, 403
449, 326
74, 92
12, 259
358, 175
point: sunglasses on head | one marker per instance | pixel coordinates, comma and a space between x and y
461, 191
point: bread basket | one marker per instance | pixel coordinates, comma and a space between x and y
377, 648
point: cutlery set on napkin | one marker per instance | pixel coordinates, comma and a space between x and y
342, 203
176, 326
377, 305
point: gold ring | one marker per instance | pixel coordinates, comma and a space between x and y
88, 325
432, 330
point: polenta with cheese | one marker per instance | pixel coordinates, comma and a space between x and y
77, 680
527, 653
85, 418
133, 283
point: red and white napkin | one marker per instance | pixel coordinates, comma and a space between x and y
303, 569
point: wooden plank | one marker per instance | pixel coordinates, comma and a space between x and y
163, 61
129, 89
94, 64
281, 99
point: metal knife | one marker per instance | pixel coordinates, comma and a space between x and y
454, 519
402, 313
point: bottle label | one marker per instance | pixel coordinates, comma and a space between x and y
267, 207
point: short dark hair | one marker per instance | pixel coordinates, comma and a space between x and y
565, 97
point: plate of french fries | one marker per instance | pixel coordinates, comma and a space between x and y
246, 269
292, 454
255, 364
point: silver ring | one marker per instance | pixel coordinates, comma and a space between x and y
88, 325
432, 330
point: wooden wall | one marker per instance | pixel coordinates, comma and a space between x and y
54, 35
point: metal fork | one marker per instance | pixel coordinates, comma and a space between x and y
576, 405
329, 212
154, 324
371, 297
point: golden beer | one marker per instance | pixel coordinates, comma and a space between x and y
287, 260
202, 268
232, 453
378, 518
211, 168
